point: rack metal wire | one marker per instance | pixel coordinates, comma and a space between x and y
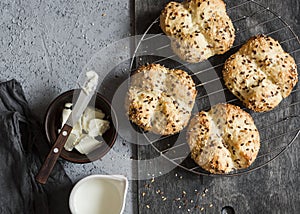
277, 133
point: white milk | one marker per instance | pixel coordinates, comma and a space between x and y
99, 195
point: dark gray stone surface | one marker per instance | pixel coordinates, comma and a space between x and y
273, 188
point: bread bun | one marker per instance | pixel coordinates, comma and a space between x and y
223, 139
160, 100
198, 29
261, 73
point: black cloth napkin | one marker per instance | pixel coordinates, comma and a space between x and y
23, 147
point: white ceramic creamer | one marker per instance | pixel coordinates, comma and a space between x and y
99, 194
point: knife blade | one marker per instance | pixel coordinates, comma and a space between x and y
87, 91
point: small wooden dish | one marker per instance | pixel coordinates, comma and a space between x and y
52, 124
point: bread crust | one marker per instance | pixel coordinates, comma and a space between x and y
223, 139
160, 100
198, 29
261, 73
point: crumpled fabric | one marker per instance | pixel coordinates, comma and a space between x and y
23, 147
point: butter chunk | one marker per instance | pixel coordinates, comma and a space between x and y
71, 142
90, 113
91, 82
97, 127
87, 144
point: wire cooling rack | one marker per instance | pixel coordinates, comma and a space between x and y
278, 128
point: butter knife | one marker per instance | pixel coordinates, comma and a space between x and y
87, 91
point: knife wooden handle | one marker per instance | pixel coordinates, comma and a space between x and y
53, 155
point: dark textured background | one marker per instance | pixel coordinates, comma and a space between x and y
272, 189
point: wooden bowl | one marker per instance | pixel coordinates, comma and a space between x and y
52, 124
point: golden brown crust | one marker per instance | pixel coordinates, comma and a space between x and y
198, 29
223, 139
261, 73
160, 100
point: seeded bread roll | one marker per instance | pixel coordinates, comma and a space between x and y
198, 29
261, 73
223, 139
160, 100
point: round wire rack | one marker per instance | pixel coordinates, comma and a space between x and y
278, 128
